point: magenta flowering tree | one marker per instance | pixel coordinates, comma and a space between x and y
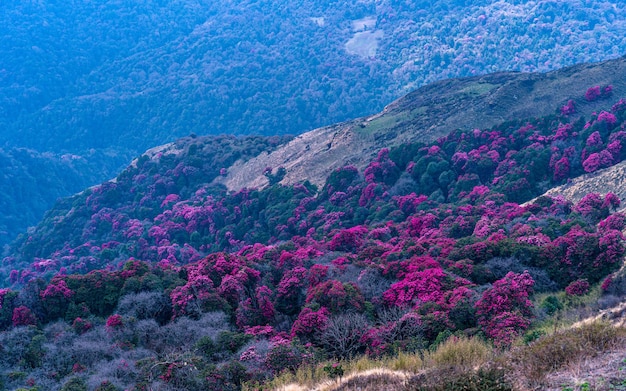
340, 179
317, 274
561, 169
616, 221
114, 322
611, 201
505, 310
291, 290
577, 288
336, 297
23, 316
596, 92
594, 142
310, 322
569, 108
593, 93
257, 310
607, 118
348, 239
596, 161
197, 295
593, 207
56, 298
382, 169
416, 287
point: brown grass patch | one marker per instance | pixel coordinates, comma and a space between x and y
565, 348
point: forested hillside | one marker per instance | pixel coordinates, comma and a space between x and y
163, 279
129, 76
118, 73
31, 182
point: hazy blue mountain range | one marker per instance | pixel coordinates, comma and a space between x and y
83, 75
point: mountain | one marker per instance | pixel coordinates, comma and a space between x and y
165, 278
223, 168
120, 77
113, 73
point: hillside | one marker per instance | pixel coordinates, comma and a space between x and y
99, 73
163, 278
31, 182
81, 76
427, 114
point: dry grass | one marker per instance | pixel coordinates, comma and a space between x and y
591, 355
314, 377
460, 352
368, 374
564, 349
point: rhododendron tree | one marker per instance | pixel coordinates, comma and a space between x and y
257, 310
114, 322
577, 288
310, 322
55, 298
23, 316
348, 239
505, 310
593, 93
335, 296
561, 169
569, 108
291, 290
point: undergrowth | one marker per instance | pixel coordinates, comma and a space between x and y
461, 363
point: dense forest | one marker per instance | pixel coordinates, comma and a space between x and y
159, 279
107, 73
31, 181
126, 77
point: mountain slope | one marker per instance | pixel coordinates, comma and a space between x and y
162, 278
126, 76
429, 113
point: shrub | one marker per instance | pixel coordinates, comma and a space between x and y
74, 384
231, 341
334, 370
551, 305
342, 336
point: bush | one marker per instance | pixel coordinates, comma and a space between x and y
551, 305
74, 384
342, 337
